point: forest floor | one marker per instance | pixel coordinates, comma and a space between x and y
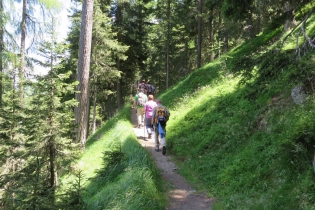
180, 194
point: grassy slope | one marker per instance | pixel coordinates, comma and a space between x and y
117, 171
242, 139
237, 136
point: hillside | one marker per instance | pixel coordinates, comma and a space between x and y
236, 132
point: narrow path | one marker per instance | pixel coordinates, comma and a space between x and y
180, 194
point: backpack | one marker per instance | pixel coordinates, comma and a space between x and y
143, 87
140, 101
151, 88
161, 115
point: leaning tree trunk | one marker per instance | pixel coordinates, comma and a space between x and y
81, 115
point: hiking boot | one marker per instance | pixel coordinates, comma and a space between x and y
164, 150
157, 149
139, 126
149, 137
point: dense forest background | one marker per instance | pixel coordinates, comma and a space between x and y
160, 41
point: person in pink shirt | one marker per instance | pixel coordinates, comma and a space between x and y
148, 109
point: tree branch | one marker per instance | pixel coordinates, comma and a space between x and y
302, 22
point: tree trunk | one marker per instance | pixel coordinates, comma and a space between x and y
119, 94
211, 33
168, 42
81, 115
1, 50
259, 17
250, 28
22, 51
219, 35
289, 14
94, 108
118, 85
51, 141
199, 33
226, 42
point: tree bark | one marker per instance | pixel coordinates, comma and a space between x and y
199, 33
81, 115
1, 50
22, 50
219, 35
94, 106
289, 12
51, 141
118, 85
168, 42
119, 93
211, 34
226, 42
250, 27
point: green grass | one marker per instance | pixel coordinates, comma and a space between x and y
234, 132
117, 171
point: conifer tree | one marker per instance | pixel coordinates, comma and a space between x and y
30, 23
38, 142
105, 49
12, 135
131, 25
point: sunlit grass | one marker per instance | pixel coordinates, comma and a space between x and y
247, 144
130, 183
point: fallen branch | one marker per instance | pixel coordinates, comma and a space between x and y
303, 23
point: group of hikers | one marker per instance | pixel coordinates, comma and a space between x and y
151, 114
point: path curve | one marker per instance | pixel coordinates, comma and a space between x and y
181, 195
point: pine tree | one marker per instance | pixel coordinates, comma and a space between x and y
37, 147
105, 50
28, 21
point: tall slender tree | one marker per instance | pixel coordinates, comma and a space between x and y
199, 42
83, 74
105, 50
35, 136
29, 21
22, 50
2, 22
168, 41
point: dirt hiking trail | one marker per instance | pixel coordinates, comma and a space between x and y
180, 194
